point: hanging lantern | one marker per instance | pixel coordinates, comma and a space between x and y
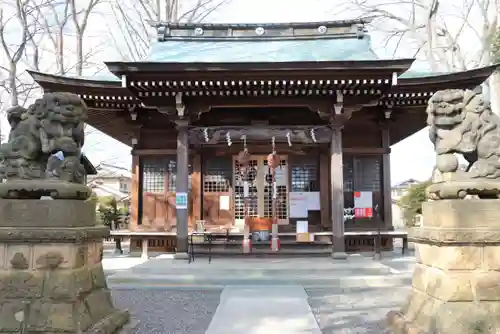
273, 160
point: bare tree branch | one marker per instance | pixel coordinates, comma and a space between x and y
134, 34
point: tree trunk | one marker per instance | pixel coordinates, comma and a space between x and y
14, 95
60, 51
494, 91
79, 54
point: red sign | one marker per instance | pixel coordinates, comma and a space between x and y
363, 212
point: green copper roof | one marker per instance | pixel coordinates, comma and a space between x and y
200, 51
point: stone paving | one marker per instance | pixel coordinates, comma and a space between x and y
355, 311
186, 306
168, 311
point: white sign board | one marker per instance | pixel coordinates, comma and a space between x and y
302, 226
298, 204
181, 201
313, 203
246, 189
363, 199
223, 202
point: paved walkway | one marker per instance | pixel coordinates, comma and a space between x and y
263, 310
255, 296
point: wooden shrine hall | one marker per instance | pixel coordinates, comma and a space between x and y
236, 126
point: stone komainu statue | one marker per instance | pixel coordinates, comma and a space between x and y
461, 122
45, 140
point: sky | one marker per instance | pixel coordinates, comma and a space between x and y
411, 158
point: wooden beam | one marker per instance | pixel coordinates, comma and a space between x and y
367, 150
153, 151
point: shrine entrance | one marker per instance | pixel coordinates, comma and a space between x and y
259, 187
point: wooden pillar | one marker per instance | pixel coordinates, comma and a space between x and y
337, 193
182, 188
134, 194
386, 177
196, 189
324, 189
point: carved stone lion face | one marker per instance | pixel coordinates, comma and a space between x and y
61, 107
446, 109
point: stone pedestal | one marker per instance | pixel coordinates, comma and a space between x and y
51, 276
456, 281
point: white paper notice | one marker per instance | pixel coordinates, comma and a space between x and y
302, 226
246, 189
281, 175
298, 204
363, 199
313, 201
224, 202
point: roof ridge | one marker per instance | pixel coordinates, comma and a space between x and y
222, 25
260, 31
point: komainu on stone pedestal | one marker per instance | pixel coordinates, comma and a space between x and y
456, 280
461, 123
51, 275
44, 148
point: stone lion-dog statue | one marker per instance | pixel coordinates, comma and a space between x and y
45, 144
461, 123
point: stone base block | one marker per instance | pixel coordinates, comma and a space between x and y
456, 280
424, 315
58, 301
53, 282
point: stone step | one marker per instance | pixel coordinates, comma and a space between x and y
127, 280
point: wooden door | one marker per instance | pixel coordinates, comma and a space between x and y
260, 191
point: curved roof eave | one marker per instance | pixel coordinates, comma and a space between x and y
481, 73
55, 79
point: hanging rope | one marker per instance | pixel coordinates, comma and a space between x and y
289, 139
245, 148
313, 135
228, 139
205, 134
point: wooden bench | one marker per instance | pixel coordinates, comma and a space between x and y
207, 238
377, 238
145, 237
374, 235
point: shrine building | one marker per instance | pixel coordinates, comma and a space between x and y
314, 93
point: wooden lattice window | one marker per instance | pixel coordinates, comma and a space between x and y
304, 174
239, 200
348, 173
171, 169
367, 175
217, 175
282, 193
153, 175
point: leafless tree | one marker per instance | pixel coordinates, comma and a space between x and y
80, 19
132, 17
18, 26
437, 30
447, 35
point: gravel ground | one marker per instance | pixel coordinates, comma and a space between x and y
169, 311
362, 311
